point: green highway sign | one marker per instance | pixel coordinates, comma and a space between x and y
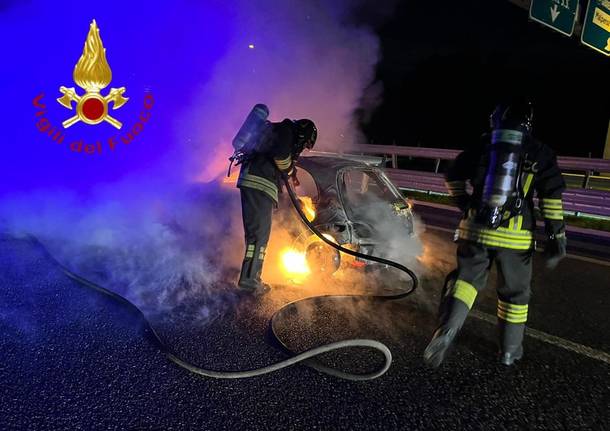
596, 28
560, 15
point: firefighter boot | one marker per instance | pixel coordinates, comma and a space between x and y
250, 276
511, 338
450, 323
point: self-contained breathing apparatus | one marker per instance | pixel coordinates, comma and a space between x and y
502, 196
254, 136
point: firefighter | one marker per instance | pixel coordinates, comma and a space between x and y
259, 184
504, 169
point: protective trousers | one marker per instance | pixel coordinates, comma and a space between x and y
514, 278
257, 210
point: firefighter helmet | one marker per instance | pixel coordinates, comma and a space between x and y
306, 133
513, 115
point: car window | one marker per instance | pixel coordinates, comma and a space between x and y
361, 187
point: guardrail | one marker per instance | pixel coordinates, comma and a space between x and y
584, 201
576, 200
568, 163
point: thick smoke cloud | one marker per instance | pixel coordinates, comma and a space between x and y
152, 220
300, 58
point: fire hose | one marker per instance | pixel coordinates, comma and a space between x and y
353, 342
302, 357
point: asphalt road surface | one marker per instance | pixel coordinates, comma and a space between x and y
72, 358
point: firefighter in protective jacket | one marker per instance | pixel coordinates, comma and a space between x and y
259, 184
505, 170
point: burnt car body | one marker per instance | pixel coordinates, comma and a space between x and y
355, 203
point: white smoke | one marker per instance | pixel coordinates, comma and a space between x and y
169, 231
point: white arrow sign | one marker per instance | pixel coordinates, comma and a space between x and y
554, 12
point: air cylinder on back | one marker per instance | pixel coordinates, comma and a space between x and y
249, 133
501, 177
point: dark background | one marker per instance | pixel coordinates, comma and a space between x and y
446, 63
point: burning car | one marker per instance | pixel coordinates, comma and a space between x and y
352, 201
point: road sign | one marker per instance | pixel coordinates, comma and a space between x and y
596, 28
560, 15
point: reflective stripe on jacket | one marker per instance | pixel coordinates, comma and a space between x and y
261, 171
259, 183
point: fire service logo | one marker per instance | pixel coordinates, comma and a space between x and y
92, 73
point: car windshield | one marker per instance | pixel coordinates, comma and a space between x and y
365, 185
365, 193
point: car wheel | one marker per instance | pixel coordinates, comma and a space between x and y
322, 259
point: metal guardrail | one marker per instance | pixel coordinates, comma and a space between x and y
584, 164
584, 201
576, 200
568, 163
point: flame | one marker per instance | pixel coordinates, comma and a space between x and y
294, 263
308, 207
92, 72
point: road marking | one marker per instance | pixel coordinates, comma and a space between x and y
570, 256
552, 339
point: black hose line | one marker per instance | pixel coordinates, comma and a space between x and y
282, 311
305, 357
316, 231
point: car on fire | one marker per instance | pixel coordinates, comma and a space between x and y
352, 202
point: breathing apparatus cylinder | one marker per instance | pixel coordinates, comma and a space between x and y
249, 134
501, 190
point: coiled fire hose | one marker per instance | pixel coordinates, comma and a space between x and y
354, 342
305, 356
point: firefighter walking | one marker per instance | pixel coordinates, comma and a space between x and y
274, 153
504, 170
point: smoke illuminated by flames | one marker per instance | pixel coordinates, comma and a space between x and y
231, 180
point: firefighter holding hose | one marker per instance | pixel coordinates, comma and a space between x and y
266, 151
504, 170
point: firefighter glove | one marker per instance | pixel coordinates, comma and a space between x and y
293, 176
555, 249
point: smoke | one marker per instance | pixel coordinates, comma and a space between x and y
151, 220
302, 59
158, 250
381, 229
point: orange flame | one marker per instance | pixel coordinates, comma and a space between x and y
294, 263
308, 207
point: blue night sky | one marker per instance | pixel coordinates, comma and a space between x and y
206, 63
164, 52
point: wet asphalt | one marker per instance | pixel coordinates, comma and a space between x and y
72, 358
